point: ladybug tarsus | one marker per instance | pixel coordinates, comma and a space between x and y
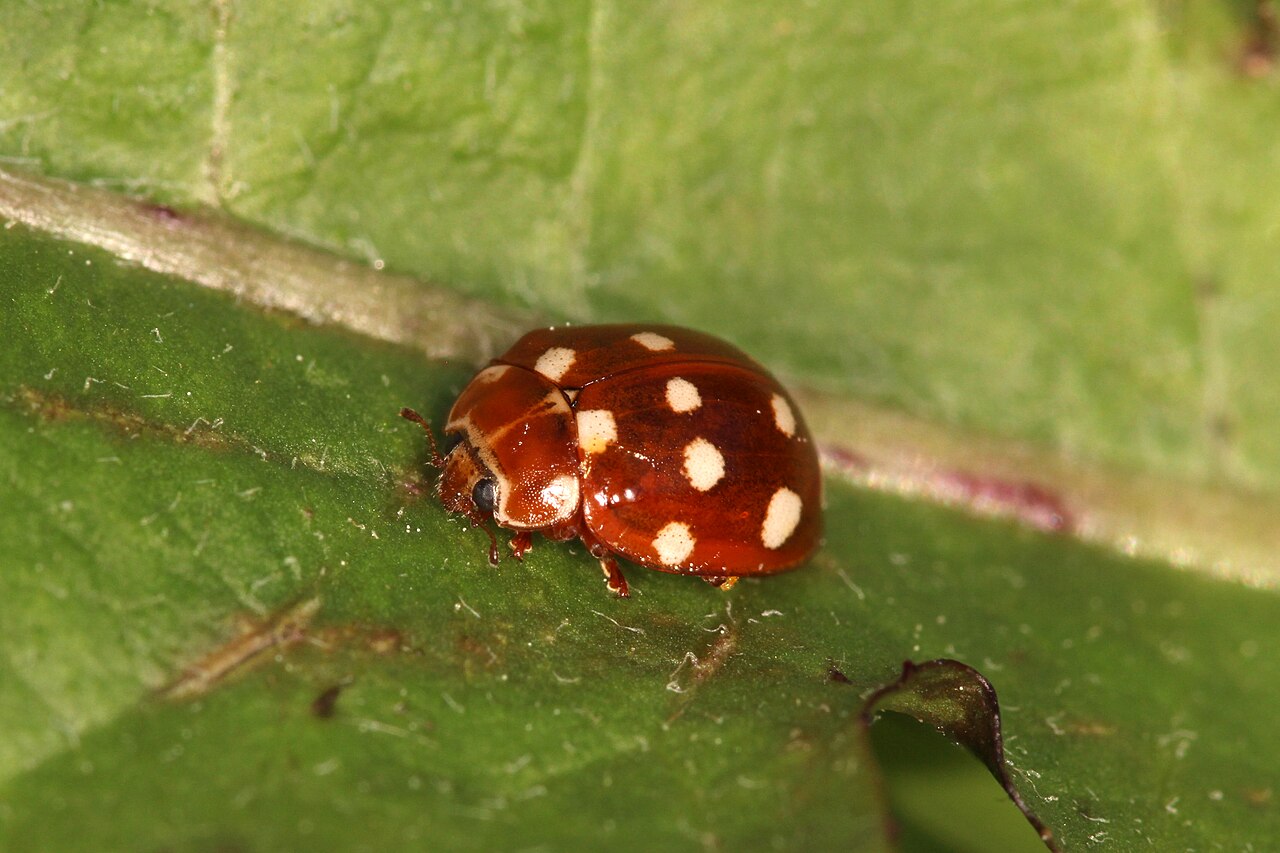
724, 584
521, 544
613, 577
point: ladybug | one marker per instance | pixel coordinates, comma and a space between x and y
665, 446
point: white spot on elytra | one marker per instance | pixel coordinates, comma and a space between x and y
682, 396
653, 341
783, 417
674, 543
492, 374
703, 464
781, 518
596, 430
555, 362
561, 494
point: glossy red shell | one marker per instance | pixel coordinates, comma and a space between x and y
665, 446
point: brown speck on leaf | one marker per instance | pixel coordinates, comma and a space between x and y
325, 705
163, 212
1257, 797
1261, 41
379, 640
721, 649
1222, 428
834, 674
701, 668
386, 641
1208, 287
54, 408
477, 652
1091, 728
416, 489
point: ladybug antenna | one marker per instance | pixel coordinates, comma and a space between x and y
436, 460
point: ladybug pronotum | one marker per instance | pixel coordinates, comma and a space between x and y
662, 445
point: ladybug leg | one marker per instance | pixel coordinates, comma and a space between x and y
521, 544
493, 545
613, 577
724, 583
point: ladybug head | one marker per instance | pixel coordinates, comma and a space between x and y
466, 485
517, 459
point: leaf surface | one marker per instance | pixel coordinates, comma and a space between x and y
230, 621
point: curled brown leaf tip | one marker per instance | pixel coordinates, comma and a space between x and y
959, 702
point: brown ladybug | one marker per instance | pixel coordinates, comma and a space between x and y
663, 445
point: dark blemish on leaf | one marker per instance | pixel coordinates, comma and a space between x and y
961, 704
415, 490
702, 668
1208, 287
385, 641
55, 408
476, 652
379, 640
1257, 797
1257, 58
1222, 428
325, 705
164, 213
1028, 502
280, 630
714, 658
836, 675
844, 460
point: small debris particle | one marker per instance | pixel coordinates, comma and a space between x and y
325, 705
386, 641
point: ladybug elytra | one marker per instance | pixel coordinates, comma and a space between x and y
665, 446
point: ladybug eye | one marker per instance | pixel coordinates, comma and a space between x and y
483, 495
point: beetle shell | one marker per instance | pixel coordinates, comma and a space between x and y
665, 446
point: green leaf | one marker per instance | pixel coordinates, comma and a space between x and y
175, 459
993, 232
1005, 216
